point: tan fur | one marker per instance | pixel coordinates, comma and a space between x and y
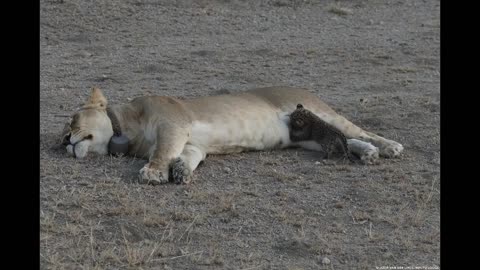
177, 135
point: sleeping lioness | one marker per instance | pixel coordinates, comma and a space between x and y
176, 135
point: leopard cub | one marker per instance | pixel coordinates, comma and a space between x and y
306, 126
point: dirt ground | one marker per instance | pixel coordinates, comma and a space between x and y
374, 61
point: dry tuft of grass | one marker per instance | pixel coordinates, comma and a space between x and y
342, 11
282, 176
154, 221
198, 195
424, 201
54, 260
225, 203
216, 259
182, 215
137, 254
404, 69
47, 222
360, 217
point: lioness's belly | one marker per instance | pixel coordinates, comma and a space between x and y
238, 123
240, 134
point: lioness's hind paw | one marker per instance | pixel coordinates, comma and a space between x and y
370, 156
392, 150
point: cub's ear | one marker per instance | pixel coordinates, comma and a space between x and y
96, 100
299, 106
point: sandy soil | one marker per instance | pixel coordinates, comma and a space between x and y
374, 61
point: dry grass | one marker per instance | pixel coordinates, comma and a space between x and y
282, 176
404, 69
225, 203
138, 254
155, 221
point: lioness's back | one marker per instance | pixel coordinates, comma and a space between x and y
287, 98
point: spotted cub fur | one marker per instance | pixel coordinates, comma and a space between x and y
306, 126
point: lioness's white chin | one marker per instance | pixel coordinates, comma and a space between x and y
76, 151
81, 153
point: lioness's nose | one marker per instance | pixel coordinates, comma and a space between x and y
66, 139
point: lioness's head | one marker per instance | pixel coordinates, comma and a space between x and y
90, 128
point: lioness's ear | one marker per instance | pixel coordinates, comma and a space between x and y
97, 100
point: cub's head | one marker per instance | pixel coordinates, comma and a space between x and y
90, 128
300, 124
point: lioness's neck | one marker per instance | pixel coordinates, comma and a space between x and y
125, 113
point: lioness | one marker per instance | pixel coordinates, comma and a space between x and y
176, 135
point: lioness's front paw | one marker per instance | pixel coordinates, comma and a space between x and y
392, 150
151, 176
180, 172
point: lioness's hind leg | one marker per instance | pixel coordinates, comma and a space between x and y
182, 167
386, 148
367, 152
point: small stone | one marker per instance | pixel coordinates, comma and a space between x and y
325, 260
227, 170
317, 163
85, 54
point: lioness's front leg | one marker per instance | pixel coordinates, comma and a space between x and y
168, 146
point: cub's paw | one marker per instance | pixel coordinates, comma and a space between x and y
151, 176
391, 150
179, 172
